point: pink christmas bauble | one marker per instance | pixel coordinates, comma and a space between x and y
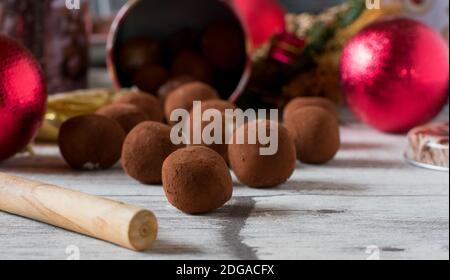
22, 97
395, 74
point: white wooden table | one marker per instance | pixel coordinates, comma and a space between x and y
366, 203
367, 198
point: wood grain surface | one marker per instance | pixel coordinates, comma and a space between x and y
367, 203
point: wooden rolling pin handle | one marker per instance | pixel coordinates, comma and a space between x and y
125, 225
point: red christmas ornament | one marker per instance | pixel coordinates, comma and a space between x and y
262, 18
395, 74
22, 97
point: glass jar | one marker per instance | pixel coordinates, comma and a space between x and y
56, 33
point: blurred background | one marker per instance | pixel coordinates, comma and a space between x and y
104, 8
104, 11
255, 53
75, 41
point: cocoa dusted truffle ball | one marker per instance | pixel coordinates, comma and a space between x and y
91, 142
223, 45
303, 102
190, 63
150, 78
139, 52
252, 166
316, 134
220, 106
127, 115
144, 151
183, 39
149, 104
184, 96
173, 84
196, 180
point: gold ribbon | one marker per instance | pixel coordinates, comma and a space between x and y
71, 104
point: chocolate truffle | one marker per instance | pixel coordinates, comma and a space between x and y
221, 106
303, 102
196, 180
183, 39
139, 52
218, 104
150, 78
172, 84
149, 104
184, 96
316, 134
91, 142
144, 151
255, 169
223, 45
127, 115
190, 63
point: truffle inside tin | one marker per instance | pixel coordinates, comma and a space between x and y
150, 78
191, 63
223, 44
139, 52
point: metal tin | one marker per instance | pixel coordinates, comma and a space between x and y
157, 20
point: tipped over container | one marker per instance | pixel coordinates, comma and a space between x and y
153, 41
